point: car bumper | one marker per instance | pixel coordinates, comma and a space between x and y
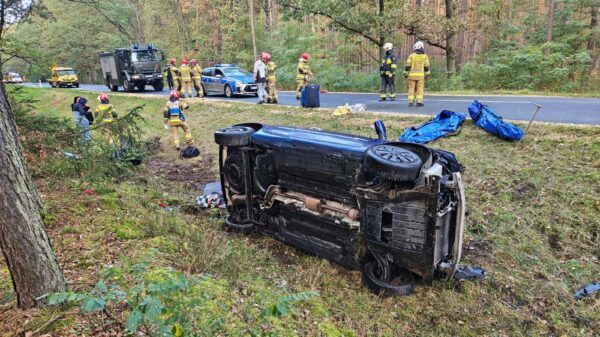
244, 89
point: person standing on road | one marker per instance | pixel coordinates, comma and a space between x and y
303, 75
176, 75
271, 79
175, 119
186, 79
80, 110
196, 78
169, 76
417, 72
260, 77
387, 72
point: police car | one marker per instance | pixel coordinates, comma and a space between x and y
228, 80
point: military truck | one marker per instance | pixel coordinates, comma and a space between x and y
132, 67
63, 77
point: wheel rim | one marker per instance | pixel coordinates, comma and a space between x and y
235, 129
228, 91
394, 154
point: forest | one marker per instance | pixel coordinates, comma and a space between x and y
492, 45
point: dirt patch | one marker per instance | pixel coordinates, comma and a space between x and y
524, 190
188, 171
477, 248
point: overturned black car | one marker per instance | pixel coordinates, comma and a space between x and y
391, 209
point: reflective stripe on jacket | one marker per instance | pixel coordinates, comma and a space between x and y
175, 72
389, 63
417, 65
173, 112
185, 72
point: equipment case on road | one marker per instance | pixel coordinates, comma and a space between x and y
310, 96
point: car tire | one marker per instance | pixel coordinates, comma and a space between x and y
392, 162
76, 85
227, 90
127, 86
114, 88
234, 136
405, 279
239, 228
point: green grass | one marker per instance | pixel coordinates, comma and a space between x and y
533, 223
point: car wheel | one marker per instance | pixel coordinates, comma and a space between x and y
233, 169
228, 91
127, 86
76, 85
235, 223
393, 162
114, 88
234, 136
402, 283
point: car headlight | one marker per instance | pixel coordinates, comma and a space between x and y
159, 76
135, 77
238, 84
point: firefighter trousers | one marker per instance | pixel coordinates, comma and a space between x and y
186, 87
186, 129
198, 87
301, 84
272, 90
416, 87
387, 82
177, 84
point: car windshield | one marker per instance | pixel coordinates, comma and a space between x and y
235, 72
144, 56
65, 72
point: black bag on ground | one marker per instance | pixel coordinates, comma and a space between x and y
189, 152
310, 96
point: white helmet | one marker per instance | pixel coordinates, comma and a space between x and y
388, 46
418, 45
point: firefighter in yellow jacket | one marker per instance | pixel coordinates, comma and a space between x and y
186, 79
176, 75
271, 79
387, 72
175, 119
196, 78
304, 74
417, 71
105, 114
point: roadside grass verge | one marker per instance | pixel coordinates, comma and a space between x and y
533, 223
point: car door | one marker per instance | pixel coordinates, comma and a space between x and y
219, 81
208, 79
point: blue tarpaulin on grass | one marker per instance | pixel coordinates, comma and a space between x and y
445, 123
487, 119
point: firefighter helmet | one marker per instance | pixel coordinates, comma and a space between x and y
174, 94
388, 46
419, 45
184, 61
172, 61
103, 98
266, 56
194, 61
305, 56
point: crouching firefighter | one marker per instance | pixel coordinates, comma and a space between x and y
387, 72
105, 113
175, 118
417, 71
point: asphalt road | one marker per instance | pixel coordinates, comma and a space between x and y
554, 109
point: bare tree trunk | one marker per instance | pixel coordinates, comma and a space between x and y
450, 52
25, 245
252, 30
593, 38
550, 21
381, 37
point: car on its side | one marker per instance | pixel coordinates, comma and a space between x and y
392, 209
228, 80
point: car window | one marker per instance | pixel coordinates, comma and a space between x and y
144, 56
235, 71
208, 72
65, 72
218, 72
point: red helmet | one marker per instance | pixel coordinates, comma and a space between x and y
184, 61
172, 61
266, 56
305, 56
194, 61
174, 94
103, 98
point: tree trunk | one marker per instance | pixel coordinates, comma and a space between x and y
450, 51
252, 30
550, 21
593, 38
25, 245
381, 36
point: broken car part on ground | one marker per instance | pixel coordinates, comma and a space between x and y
392, 209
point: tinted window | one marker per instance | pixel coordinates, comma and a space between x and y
208, 72
144, 56
236, 72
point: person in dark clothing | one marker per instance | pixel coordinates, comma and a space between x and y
80, 110
169, 76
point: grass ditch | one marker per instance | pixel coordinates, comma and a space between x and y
533, 223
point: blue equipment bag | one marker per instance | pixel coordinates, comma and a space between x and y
444, 124
487, 119
310, 96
